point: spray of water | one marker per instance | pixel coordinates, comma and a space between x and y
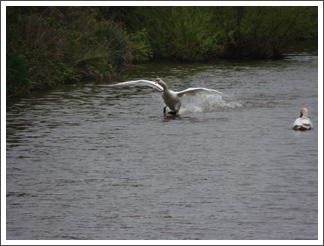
206, 104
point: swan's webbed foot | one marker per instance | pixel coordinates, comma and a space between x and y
170, 112
173, 112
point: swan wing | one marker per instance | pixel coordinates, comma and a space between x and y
297, 123
306, 123
200, 91
139, 83
302, 124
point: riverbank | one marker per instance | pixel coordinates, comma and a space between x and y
51, 46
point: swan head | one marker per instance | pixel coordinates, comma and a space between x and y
303, 113
161, 82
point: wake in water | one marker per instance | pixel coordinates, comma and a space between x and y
206, 104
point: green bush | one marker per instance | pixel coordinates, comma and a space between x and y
59, 45
49, 46
263, 32
183, 34
17, 73
140, 47
203, 33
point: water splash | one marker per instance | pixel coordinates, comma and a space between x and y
206, 104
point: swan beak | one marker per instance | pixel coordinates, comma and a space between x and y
157, 81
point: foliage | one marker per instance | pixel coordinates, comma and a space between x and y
140, 46
17, 73
49, 46
203, 33
182, 34
262, 32
63, 45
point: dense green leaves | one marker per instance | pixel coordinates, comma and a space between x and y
17, 72
61, 45
262, 32
182, 33
203, 33
47, 46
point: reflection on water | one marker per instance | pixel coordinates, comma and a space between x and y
93, 162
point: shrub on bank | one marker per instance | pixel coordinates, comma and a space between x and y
48, 46
264, 32
203, 33
17, 71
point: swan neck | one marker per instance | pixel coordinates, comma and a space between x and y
163, 84
303, 113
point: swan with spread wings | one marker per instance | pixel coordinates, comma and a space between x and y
171, 98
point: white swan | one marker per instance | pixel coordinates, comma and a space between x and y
171, 98
303, 123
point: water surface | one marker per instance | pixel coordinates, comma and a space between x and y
93, 162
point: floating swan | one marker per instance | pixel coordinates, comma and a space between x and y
171, 98
303, 123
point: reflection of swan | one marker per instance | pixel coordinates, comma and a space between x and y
303, 123
171, 98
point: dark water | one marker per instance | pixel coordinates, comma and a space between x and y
92, 162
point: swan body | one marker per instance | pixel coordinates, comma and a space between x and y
171, 98
303, 123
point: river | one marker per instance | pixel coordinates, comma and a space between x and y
95, 162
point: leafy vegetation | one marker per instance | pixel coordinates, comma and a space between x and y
49, 46
263, 32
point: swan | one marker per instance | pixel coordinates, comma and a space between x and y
171, 98
303, 123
